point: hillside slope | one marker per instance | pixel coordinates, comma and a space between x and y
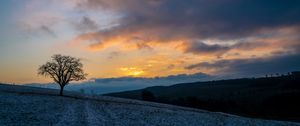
271, 98
21, 105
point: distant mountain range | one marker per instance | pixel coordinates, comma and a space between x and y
108, 85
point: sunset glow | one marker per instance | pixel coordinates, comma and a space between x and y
147, 38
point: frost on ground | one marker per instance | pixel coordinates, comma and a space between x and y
21, 105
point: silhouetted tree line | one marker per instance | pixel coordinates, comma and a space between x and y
147, 96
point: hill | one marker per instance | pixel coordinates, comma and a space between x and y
268, 97
21, 105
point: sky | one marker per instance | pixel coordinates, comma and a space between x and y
150, 38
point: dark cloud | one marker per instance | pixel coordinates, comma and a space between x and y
202, 48
86, 24
249, 45
90, 4
172, 20
198, 47
216, 65
252, 67
143, 81
278, 53
202, 18
47, 30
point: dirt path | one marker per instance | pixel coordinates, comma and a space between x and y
85, 113
74, 114
93, 118
68, 117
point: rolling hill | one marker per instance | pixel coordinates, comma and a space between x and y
22, 105
267, 97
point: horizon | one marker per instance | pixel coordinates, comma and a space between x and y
148, 39
206, 78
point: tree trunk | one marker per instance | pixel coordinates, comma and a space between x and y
61, 93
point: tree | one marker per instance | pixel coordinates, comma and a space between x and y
63, 69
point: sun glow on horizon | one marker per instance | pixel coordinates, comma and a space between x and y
132, 71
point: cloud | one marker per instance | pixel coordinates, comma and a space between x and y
252, 67
164, 21
223, 31
86, 24
38, 18
221, 48
166, 80
171, 66
216, 65
203, 18
202, 48
47, 30
41, 29
114, 54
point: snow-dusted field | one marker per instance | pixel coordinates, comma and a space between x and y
20, 105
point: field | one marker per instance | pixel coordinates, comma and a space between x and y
21, 105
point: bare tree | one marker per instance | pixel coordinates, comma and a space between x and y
63, 69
